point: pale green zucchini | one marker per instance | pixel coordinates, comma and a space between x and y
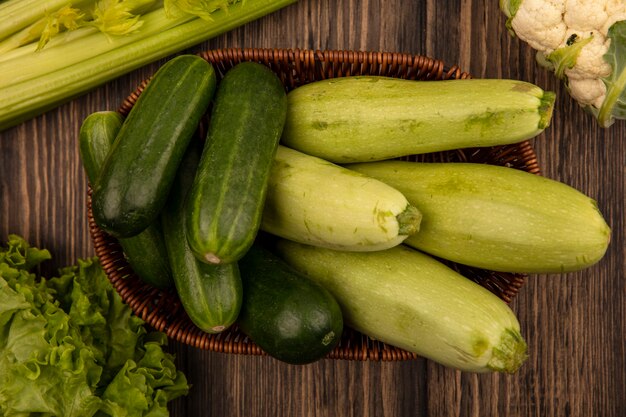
409, 300
498, 218
368, 118
313, 201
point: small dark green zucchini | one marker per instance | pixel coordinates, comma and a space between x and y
290, 317
138, 172
210, 294
227, 197
144, 252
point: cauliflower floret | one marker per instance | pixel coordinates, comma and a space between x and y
588, 91
615, 6
618, 16
540, 23
570, 33
585, 15
590, 62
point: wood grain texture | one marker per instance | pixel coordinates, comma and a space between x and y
575, 324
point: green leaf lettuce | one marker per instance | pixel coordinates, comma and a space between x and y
70, 347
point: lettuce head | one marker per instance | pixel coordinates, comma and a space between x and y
70, 347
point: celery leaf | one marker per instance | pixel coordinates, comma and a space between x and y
68, 18
118, 17
200, 8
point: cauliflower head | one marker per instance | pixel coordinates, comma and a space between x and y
583, 42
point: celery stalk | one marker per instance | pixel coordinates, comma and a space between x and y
97, 43
49, 88
31, 48
17, 15
51, 22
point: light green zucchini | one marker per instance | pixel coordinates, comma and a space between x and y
313, 201
368, 118
409, 300
498, 218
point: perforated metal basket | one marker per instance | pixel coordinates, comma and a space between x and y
162, 309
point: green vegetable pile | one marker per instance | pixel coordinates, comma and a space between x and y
70, 347
337, 244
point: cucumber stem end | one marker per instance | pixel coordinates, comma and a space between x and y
212, 258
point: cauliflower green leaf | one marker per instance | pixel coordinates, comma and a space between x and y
614, 105
510, 8
566, 57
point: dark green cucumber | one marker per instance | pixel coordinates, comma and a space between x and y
97, 133
226, 200
210, 294
145, 252
147, 256
289, 316
138, 173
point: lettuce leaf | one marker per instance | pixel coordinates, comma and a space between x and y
20, 256
614, 105
70, 347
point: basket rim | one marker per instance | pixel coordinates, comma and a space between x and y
162, 310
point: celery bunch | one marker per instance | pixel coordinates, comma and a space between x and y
54, 50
